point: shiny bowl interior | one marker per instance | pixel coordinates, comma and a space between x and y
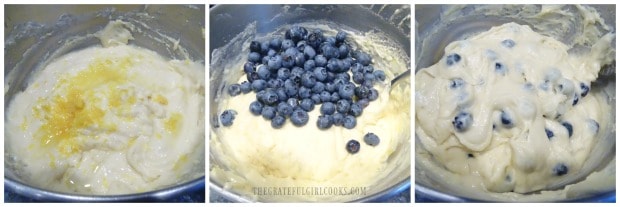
432, 35
226, 21
35, 34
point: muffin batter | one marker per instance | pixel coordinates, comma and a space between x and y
511, 108
116, 119
251, 154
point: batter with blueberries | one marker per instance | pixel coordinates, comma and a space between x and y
511, 108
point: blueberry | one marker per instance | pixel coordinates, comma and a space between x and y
324, 122
462, 121
263, 72
569, 128
305, 92
346, 91
320, 73
363, 102
254, 46
264, 60
248, 67
343, 106
330, 51
341, 36
271, 53
300, 60
309, 52
318, 87
282, 96
299, 117
453, 59
234, 89
369, 77
338, 119
320, 61
268, 112
333, 66
575, 99
343, 51
379, 75
301, 45
245, 87
315, 38
349, 122
362, 91
560, 169
288, 60
335, 97
368, 69
287, 44
227, 117
259, 85
506, 120
344, 76
293, 102
316, 98
549, 133
275, 43
508, 43
362, 57
264, 47
270, 97
500, 69
283, 73
306, 104
275, 83
284, 109
584, 89
357, 67
297, 71
278, 121
374, 94
353, 146
456, 83
328, 108
296, 33
346, 64
325, 96
308, 79
371, 139
331, 87
254, 57
275, 62
291, 90
330, 41
358, 77
309, 65
256, 107
356, 109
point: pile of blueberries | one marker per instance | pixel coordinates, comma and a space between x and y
304, 71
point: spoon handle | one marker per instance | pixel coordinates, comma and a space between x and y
401, 76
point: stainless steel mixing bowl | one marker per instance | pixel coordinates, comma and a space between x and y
433, 32
226, 21
36, 33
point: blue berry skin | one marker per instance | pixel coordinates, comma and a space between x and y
256, 107
308, 79
283, 73
331, 87
368, 83
270, 97
575, 99
508, 43
234, 89
254, 46
254, 57
287, 44
296, 33
506, 120
300, 60
320, 61
324, 122
335, 97
560, 169
293, 102
264, 47
271, 53
259, 85
356, 109
278, 121
453, 59
284, 109
227, 117
328, 108
264, 60
275, 43
456, 83
500, 69
315, 38
353, 146
362, 91
349, 122
362, 57
593, 125
330, 41
306, 104
330, 51
301, 45
305, 92
333, 66
309, 65
318, 87
248, 67
316, 98
569, 128
549, 133
288, 60
290, 89
584, 89
275, 83
347, 63
343, 106
245, 87
344, 76
268, 112
379, 75
374, 94
368, 69
341, 36
369, 76
371, 139
343, 51
346, 91
358, 77
263, 72
462, 121
363, 102
282, 96
338, 119
274, 63
357, 68
297, 72
325, 96
299, 117
309, 52
320, 73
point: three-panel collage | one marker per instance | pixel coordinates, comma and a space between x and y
309, 103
